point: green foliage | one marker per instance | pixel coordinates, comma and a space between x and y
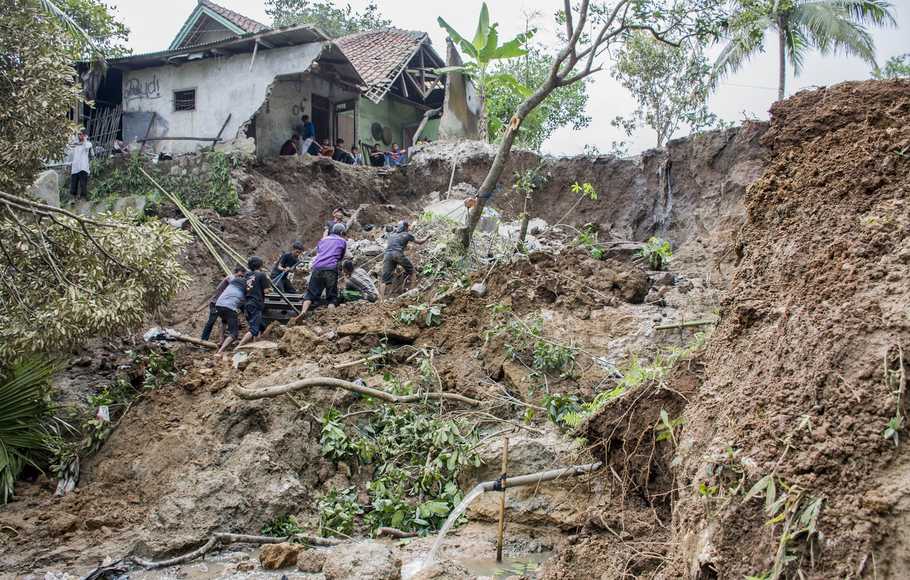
670, 85
588, 239
529, 180
38, 88
586, 190
896, 383
665, 430
108, 36
483, 50
423, 314
418, 458
829, 26
896, 67
25, 412
337, 511
326, 15
282, 527
213, 190
564, 107
564, 410
657, 252
526, 343
63, 292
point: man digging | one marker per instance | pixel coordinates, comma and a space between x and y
395, 256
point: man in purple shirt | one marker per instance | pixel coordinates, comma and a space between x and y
329, 253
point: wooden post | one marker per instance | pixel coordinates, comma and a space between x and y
226, 121
502, 499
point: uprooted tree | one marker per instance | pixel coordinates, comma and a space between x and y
65, 277
591, 29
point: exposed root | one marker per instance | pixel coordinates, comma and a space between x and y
277, 390
222, 539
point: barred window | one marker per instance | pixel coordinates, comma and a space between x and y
185, 100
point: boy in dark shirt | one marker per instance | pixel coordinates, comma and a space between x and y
257, 282
291, 146
282, 269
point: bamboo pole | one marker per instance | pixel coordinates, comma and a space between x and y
705, 322
542, 476
502, 498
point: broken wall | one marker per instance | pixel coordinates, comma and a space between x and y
224, 85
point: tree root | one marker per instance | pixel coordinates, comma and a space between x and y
396, 533
222, 539
268, 392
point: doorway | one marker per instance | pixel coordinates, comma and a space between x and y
346, 122
322, 117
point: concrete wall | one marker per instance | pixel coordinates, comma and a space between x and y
290, 98
391, 113
223, 85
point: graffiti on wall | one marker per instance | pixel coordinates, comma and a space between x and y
139, 89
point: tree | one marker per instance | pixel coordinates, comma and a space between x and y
483, 50
65, 277
829, 26
95, 18
326, 16
590, 30
670, 84
565, 107
896, 67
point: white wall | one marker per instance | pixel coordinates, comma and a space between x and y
223, 85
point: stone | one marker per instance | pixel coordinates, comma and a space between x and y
246, 566
663, 279
343, 344
446, 570
46, 188
276, 556
311, 561
240, 360
362, 561
479, 290
63, 524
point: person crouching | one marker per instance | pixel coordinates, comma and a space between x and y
228, 306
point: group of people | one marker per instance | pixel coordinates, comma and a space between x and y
304, 141
245, 290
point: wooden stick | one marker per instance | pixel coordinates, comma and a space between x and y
685, 324
502, 499
268, 392
226, 121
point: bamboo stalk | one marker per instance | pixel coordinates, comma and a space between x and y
542, 476
502, 499
686, 324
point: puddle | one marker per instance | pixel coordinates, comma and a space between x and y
526, 566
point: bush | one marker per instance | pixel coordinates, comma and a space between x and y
657, 252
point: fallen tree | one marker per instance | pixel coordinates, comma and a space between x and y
278, 390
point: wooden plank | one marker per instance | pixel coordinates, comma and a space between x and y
213, 139
218, 137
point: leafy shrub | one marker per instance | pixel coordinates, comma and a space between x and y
423, 314
337, 511
25, 412
657, 252
416, 455
282, 527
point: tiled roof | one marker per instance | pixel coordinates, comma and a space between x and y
246, 24
379, 56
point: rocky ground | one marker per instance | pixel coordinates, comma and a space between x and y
806, 272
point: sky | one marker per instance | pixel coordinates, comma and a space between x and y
745, 95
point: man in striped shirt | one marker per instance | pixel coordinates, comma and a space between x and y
359, 284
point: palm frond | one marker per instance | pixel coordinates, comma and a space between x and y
742, 44
77, 31
831, 28
874, 12
22, 414
797, 45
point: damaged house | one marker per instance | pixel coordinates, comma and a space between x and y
226, 76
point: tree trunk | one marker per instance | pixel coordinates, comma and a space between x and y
782, 43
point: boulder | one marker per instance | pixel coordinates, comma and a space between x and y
447, 570
361, 561
46, 188
311, 561
275, 556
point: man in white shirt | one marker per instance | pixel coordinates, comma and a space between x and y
80, 168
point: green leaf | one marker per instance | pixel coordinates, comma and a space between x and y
483, 28
512, 49
456, 38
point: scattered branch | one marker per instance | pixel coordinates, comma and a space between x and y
268, 392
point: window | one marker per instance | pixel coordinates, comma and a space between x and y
185, 100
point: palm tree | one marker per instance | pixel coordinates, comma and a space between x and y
830, 26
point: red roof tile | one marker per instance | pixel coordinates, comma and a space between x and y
247, 24
380, 55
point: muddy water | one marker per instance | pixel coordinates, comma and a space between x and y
525, 566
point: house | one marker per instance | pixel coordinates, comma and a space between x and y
226, 76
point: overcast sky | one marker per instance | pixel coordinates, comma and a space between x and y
747, 94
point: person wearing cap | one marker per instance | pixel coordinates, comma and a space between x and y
257, 282
337, 218
282, 269
395, 256
324, 277
80, 167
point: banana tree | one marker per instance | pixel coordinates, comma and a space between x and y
483, 49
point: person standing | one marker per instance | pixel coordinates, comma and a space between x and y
213, 313
282, 269
80, 168
329, 253
337, 218
227, 306
395, 256
257, 282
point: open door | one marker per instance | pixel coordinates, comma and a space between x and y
322, 117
